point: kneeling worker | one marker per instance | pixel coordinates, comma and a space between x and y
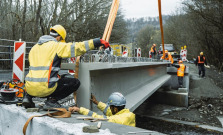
167, 56
45, 60
115, 110
180, 72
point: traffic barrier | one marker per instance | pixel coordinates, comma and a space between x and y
19, 60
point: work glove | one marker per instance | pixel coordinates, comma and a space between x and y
105, 44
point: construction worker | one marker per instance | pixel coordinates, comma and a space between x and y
45, 60
200, 61
180, 72
153, 51
114, 110
167, 56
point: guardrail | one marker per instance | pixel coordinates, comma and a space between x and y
6, 53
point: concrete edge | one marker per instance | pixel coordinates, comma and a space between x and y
172, 97
192, 124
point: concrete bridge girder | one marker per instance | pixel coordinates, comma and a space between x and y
136, 81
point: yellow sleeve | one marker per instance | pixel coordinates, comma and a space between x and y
104, 108
85, 111
66, 50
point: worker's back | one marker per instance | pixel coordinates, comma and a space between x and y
45, 60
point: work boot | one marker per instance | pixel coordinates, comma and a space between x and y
52, 103
27, 101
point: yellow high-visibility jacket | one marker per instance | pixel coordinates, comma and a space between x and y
104, 108
45, 60
124, 117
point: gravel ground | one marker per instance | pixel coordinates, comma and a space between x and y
205, 102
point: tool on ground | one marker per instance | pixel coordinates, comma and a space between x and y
60, 113
92, 119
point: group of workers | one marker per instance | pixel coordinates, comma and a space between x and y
167, 55
43, 80
200, 62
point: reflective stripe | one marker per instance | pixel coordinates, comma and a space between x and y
72, 50
39, 68
90, 113
86, 45
54, 79
105, 116
36, 79
44, 68
105, 110
55, 69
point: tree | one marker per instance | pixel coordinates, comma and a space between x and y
143, 39
200, 28
83, 19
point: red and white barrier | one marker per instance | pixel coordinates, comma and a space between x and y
184, 55
139, 52
150, 55
71, 60
125, 53
19, 60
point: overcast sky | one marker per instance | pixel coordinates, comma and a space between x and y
145, 8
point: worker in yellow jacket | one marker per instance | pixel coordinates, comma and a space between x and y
167, 56
114, 110
45, 60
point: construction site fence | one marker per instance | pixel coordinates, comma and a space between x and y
7, 49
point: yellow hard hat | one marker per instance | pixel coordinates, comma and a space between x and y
182, 48
201, 53
60, 30
185, 46
180, 61
166, 51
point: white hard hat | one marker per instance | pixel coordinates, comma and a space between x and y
116, 99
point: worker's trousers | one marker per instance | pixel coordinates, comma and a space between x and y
65, 87
180, 81
153, 55
201, 70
